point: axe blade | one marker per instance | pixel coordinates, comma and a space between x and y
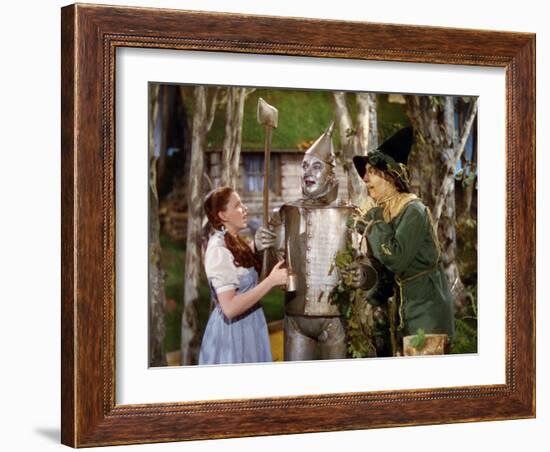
268, 115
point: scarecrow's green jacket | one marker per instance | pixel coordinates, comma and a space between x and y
408, 248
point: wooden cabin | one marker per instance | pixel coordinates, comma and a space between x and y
285, 185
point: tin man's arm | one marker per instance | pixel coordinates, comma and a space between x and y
271, 239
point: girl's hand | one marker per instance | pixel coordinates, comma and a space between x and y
279, 275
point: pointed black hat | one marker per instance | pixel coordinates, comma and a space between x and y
391, 156
398, 145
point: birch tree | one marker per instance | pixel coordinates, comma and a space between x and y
163, 99
202, 122
432, 165
156, 272
356, 139
231, 153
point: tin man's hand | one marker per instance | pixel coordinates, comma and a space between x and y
264, 238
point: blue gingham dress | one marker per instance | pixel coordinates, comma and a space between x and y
245, 338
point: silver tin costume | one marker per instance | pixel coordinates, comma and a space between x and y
308, 233
312, 236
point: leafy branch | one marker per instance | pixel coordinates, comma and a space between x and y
419, 340
351, 300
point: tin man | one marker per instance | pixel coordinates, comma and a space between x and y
307, 233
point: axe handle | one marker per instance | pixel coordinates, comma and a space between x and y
267, 153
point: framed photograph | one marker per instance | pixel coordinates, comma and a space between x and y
194, 327
162, 109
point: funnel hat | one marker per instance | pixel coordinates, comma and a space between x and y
323, 148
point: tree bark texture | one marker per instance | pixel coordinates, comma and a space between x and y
231, 153
432, 165
157, 295
367, 124
190, 340
163, 99
449, 176
356, 140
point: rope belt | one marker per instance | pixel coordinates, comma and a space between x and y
401, 282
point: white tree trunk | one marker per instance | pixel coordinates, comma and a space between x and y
227, 151
237, 136
190, 340
367, 124
231, 154
447, 184
355, 141
343, 117
157, 295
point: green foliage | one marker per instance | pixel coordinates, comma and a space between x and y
172, 322
352, 301
466, 233
352, 304
173, 263
391, 118
419, 340
351, 132
465, 340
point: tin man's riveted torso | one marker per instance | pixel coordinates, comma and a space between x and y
308, 233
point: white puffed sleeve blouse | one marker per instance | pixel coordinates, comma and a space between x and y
219, 265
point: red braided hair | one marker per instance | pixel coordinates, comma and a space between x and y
216, 201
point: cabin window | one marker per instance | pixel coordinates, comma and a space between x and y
253, 178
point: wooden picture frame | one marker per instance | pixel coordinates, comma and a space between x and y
90, 36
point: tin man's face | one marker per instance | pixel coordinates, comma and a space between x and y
317, 177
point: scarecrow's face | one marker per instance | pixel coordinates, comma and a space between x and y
317, 177
377, 184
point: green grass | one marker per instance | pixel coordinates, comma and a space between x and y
273, 304
173, 261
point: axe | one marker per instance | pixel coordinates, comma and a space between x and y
268, 116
